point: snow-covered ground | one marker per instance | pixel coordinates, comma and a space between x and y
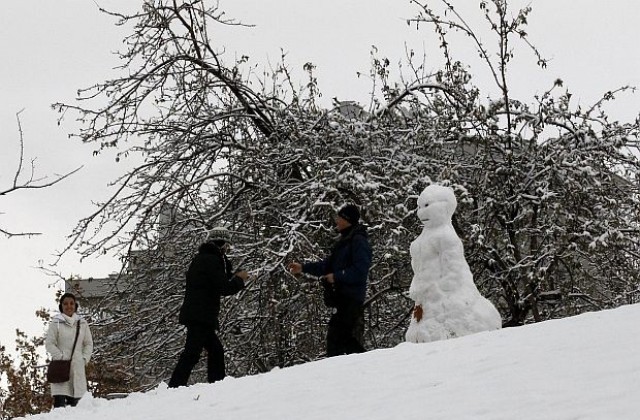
585, 367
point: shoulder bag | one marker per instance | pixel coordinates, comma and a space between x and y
59, 370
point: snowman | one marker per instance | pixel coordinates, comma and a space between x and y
447, 302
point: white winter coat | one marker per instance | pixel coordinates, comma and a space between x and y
59, 343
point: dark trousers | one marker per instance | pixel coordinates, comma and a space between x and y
64, 400
346, 329
199, 337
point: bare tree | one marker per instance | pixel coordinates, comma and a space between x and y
26, 179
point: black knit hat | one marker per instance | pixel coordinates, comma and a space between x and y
350, 213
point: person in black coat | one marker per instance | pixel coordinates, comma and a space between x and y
344, 277
209, 277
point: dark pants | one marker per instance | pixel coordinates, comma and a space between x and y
199, 337
346, 329
64, 400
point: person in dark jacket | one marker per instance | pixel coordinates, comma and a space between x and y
209, 277
344, 277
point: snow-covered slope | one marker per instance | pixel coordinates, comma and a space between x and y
585, 367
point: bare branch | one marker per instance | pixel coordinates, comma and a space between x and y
31, 182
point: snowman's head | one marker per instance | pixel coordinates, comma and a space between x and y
436, 205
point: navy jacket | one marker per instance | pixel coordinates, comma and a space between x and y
349, 262
208, 278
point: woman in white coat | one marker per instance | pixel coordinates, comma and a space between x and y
59, 343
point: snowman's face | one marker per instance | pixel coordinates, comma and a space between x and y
436, 205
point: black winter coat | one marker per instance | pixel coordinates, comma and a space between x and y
208, 278
349, 262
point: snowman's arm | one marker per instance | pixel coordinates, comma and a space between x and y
428, 271
451, 249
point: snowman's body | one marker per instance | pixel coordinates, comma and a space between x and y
447, 301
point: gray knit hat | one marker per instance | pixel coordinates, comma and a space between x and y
219, 234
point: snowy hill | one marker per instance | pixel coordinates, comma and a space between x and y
585, 367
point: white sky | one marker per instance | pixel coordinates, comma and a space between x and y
50, 49
584, 368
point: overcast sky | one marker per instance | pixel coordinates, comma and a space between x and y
51, 49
